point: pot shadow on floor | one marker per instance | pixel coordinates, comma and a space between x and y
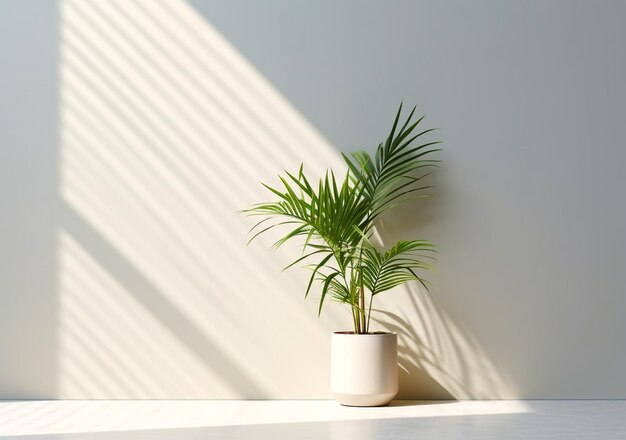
421, 402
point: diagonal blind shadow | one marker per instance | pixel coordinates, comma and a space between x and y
154, 301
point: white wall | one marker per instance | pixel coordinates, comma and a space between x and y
136, 130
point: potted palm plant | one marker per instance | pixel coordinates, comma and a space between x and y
335, 221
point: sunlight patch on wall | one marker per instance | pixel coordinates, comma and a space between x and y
112, 347
165, 133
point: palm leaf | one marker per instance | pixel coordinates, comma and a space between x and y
335, 218
384, 271
395, 162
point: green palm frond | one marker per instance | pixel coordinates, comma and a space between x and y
385, 270
388, 179
334, 219
326, 216
328, 213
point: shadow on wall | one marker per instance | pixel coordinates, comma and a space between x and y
165, 132
146, 294
438, 358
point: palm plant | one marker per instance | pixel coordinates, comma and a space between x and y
336, 220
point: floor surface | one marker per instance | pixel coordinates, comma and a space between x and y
312, 419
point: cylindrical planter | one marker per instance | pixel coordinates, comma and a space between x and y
364, 368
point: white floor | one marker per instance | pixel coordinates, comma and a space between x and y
317, 419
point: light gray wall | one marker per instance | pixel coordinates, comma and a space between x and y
122, 260
28, 197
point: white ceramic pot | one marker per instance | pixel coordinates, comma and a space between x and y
364, 368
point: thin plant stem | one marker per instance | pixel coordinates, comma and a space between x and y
361, 293
362, 307
369, 314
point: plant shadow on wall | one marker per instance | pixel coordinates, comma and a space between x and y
445, 363
438, 358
